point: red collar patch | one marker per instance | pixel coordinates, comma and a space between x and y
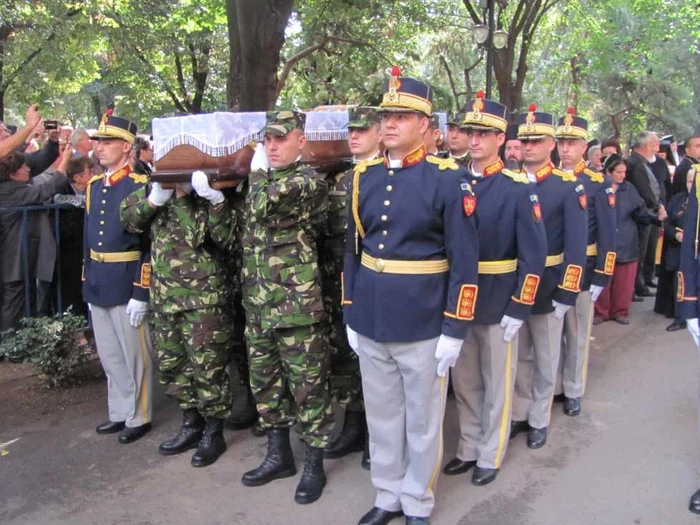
119, 175
578, 169
493, 168
411, 159
544, 172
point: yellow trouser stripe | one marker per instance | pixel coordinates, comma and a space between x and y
498, 267
404, 267
592, 250
114, 257
438, 463
507, 405
554, 260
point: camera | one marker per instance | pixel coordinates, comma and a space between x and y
51, 124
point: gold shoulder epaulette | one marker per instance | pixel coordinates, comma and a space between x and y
594, 175
565, 175
696, 167
443, 164
517, 177
138, 178
95, 178
364, 164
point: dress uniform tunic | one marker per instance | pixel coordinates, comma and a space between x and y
564, 205
117, 269
512, 251
600, 263
410, 275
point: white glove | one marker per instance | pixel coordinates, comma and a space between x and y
447, 352
694, 330
159, 195
259, 162
353, 339
136, 310
511, 326
596, 291
560, 309
200, 184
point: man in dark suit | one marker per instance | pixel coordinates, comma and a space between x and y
692, 156
640, 175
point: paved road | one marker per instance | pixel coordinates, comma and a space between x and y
631, 457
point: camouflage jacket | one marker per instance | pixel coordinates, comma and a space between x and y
285, 213
333, 243
186, 235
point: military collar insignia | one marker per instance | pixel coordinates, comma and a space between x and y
578, 169
544, 172
443, 164
594, 175
119, 175
493, 168
411, 159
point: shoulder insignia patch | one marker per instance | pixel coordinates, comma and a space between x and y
565, 176
138, 178
611, 196
443, 164
517, 177
581, 192
364, 164
594, 176
465, 186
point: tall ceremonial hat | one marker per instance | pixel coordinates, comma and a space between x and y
535, 125
571, 126
406, 95
112, 127
485, 115
282, 122
362, 117
455, 118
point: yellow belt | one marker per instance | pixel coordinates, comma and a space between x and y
114, 257
554, 260
592, 250
404, 267
498, 267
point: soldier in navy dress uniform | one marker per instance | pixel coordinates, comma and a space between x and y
564, 207
116, 278
410, 288
689, 280
571, 135
457, 141
512, 250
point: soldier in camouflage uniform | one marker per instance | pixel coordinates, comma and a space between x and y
346, 383
190, 328
288, 351
457, 141
432, 140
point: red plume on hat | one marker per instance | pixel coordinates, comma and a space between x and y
571, 111
395, 71
480, 94
532, 107
109, 110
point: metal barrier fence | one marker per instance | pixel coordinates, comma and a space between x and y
24, 243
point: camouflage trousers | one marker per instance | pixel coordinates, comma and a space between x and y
345, 381
194, 349
288, 377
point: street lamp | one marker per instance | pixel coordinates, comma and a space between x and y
488, 38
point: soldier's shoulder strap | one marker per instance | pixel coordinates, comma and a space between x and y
89, 188
443, 164
594, 176
95, 178
564, 175
517, 177
138, 178
362, 166
360, 169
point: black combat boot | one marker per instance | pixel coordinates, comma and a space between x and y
313, 478
243, 417
187, 437
351, 438
278, 462
212, 444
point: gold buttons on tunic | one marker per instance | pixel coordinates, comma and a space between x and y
104, 201
381, 246
102, 222
102, 212
391, 173
387, 203
384, 233
389, 188
99, 244
384, 217
104, 190
101, 232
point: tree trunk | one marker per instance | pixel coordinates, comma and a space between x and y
233, 84
260, 31
4, 33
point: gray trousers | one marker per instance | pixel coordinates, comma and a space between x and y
405, 406
483, 381
125, 355
538, 361
573, 364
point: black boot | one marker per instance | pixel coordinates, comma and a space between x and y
366, 462
212, 444
243, 415
313, 478
187, 437
278, 462
351, 439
